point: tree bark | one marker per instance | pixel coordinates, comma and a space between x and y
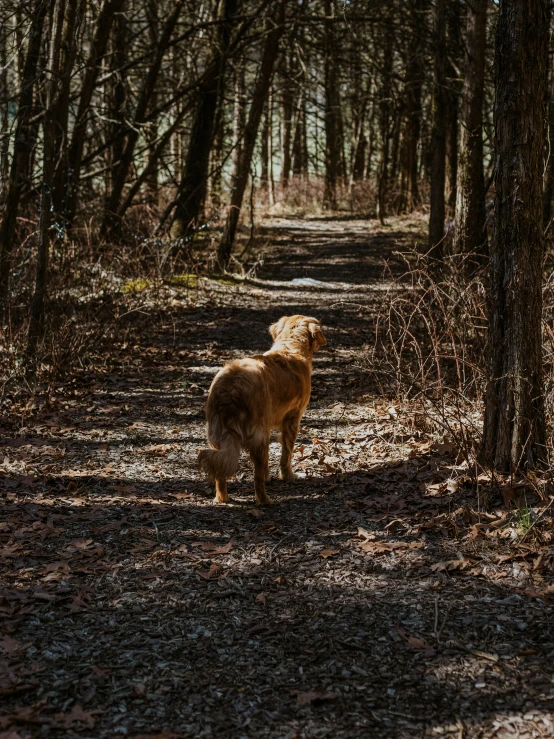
73, 16
332, 104
409, 196
24, 143
259, 97
470, 232
438, 136
385, 105
454, 61
514, 433
192, 189
54, 92
549, 170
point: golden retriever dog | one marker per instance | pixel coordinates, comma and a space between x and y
250, 397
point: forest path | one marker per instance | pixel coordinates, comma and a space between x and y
365, 602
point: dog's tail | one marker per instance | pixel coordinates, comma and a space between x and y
221, 463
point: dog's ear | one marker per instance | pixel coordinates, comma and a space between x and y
276, 328
317, 335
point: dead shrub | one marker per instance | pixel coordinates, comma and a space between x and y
429, 347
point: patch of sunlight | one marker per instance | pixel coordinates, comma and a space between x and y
184, 280
136, 286
223, 281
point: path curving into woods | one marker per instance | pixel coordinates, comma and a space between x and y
369, 600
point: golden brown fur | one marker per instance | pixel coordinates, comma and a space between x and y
250, 397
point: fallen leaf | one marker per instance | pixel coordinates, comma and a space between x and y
256, 512
211, 548
451, 564
139, 689
314, 696
77, 716
12, 646
212, 572
326, 553
381, 547
417, 643
260, 598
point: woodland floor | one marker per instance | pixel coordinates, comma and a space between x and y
370, 600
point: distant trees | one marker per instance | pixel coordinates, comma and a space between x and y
123, 120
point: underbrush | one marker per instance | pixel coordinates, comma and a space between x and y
429, 357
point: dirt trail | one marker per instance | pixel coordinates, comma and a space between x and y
358, 605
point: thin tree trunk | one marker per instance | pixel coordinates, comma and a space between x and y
438, 136
192, 189
385, 105
4, 114
332, 143
287, 107
239, 117
514, 433
410, 197
151, 133
549, 170
256, 109
452, 101
470, 232
73, 16
24, 142
54, 91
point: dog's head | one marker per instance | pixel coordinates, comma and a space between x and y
300, 334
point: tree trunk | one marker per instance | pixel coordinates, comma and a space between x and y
73, 16
239, 116
410, 197
152, 132
332, 143
549, 171
385, 105
267, 152
287, 107
54, 92
259, 97
192, 189
75, 153
24, 142
452, 101
470, 232
438, 136
4, 114
514, 433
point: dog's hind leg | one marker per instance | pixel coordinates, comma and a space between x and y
260, 458
221, 495
289, 432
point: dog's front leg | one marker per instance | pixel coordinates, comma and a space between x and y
289, 432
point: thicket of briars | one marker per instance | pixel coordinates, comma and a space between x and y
142, 142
